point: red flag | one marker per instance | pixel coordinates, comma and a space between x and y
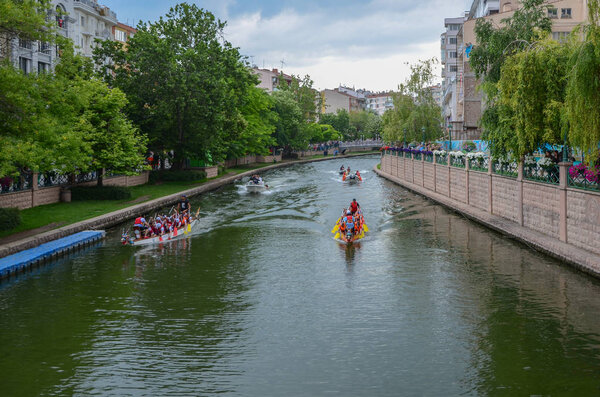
160, 238
175, 232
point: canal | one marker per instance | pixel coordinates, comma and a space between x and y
264, 302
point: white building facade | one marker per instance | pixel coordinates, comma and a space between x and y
82, 21
379, 103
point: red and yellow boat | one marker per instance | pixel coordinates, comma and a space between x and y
350, 227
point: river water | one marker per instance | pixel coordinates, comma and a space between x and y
263, 302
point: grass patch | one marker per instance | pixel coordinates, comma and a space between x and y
75, 211
379, 166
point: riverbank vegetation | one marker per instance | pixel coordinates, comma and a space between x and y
539, 90
416, 116
178, 90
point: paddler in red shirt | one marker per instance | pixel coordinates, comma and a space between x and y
354, 206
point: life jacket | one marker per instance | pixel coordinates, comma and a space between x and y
354, 206
138, 221
349, 222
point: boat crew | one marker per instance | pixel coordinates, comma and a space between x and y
139, 225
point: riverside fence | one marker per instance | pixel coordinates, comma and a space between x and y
551, 200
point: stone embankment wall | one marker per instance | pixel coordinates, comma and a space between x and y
557, 219
48, 195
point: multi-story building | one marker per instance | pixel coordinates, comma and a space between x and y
380, 102
122, 33
565, 15
336, 99
451, 78
436, 93
34, 56
82, 21
269, 79
93, 21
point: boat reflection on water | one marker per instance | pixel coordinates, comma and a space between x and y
153, 256
349, 251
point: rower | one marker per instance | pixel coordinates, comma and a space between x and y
354, 206
183, 206
139, 225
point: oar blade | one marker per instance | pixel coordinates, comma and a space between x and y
366, 227
335, 228
337, 236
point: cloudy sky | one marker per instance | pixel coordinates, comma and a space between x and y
360, 43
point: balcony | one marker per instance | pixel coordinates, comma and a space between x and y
94, 8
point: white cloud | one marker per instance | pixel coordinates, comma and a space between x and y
366, 46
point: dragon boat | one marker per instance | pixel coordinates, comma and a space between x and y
176, 234
350, 230
351, 178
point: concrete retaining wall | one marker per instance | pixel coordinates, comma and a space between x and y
557, 219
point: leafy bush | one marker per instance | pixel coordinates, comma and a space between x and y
85, 193
175, 176
9, 218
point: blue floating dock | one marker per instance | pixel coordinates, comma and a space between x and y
24, 259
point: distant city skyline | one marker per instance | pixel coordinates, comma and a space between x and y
354, 43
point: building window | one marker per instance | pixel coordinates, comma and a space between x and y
565, 13
25, 44
43, 67
61, 16
453, 68
45, 47
24, 65
120, 36
552, 13
451, 54
560, 36
452, 40
453, 27
443, 40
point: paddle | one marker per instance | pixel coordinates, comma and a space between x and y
335, 228
337, 236
366, 227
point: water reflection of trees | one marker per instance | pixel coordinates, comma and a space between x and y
536, 322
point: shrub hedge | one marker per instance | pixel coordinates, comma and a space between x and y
175, 176
9, 218
86, 193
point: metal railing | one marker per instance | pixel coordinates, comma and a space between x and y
586, 178
441, 159
457, 161
16, 184
505, 168
535, 172
49, 179
479, 164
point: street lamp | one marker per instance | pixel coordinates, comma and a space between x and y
404, 137
423, 132
449, 137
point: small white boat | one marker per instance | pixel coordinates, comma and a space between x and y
255, 187
178, 234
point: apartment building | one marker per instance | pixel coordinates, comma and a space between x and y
82, 21
269, 79
436, 93
336, 99
451, 77
122, 33
465, 117
379, 103
93, 21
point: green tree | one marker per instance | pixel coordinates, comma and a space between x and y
305, 95
583, 88
415, 111
530, 100
494, 46
260, 119
186, 85
291, 131
24, 19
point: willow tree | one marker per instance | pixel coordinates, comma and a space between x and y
415, 110
530, 100
583, 88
